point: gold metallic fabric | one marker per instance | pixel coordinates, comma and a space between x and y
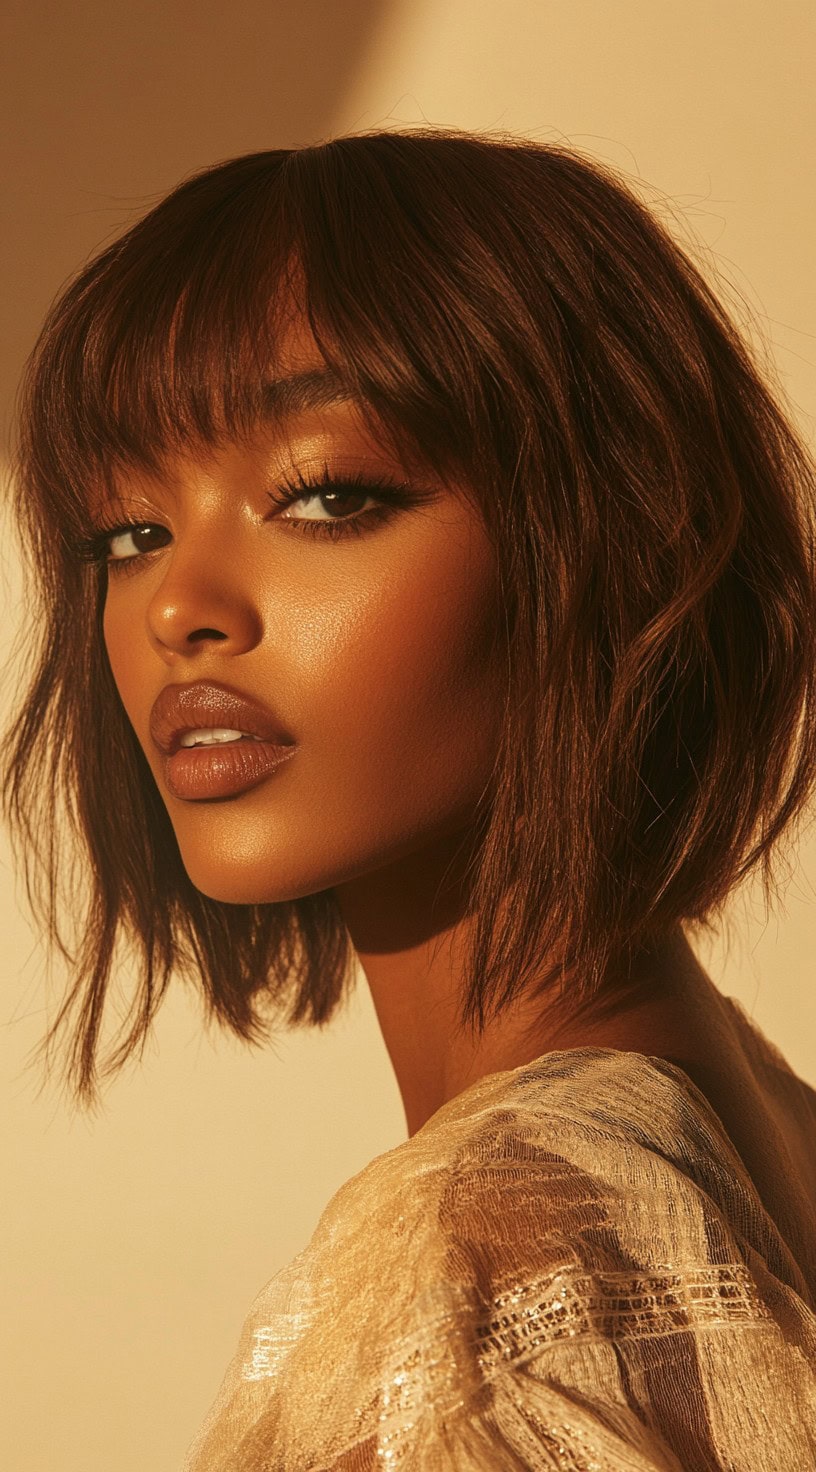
568, 1267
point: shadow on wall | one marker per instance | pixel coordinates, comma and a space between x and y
105, 108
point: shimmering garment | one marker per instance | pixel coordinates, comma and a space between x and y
568, 1267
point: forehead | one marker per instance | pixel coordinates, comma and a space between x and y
298, 395
308, 409
300, 381
301, 391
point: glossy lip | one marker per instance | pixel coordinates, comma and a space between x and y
182, 708
213, 773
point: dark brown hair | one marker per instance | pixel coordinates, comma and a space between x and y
511, 311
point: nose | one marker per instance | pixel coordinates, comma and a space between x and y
204, 600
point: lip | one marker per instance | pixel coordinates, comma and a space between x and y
181, 708
200, 772
220, 770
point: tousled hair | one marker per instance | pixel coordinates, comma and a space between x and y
511, 312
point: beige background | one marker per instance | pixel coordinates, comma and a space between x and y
135, 1241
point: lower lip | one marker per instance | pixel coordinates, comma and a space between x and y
224, 770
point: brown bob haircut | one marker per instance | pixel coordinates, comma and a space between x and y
508, 311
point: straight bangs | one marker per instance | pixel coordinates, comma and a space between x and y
168, 341
161, 344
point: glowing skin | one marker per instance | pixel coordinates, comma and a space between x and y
377, 653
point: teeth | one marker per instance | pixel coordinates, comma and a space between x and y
212, 735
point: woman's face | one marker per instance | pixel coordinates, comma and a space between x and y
376, 651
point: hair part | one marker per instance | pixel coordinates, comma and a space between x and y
650, 501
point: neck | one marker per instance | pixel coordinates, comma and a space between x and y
410, 931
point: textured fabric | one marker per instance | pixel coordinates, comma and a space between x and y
568, 1267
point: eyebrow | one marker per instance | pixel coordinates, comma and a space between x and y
312, 388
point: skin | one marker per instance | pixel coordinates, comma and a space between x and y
377, 653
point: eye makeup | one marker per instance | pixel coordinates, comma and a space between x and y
390, 495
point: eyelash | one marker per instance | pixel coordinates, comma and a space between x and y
393, 497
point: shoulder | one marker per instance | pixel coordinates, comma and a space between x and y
541, 1205
541, 1155
523, 1279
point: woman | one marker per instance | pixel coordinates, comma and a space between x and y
426, 582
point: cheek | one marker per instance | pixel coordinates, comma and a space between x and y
405, 696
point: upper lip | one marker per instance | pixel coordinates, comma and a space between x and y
182, 708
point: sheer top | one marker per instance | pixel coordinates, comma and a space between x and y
568, 1267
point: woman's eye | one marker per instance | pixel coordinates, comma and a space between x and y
340, 505
137, 536
332, 506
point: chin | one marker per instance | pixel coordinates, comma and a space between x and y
234, 888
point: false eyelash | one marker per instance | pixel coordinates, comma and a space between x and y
393, 496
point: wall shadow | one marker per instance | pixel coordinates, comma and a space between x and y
104, 108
